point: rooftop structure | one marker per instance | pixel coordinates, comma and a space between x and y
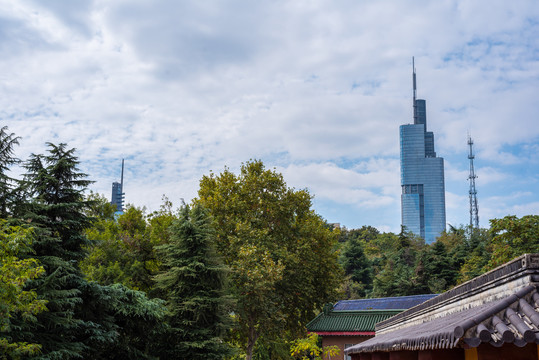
422, 176
493, 315
349, 322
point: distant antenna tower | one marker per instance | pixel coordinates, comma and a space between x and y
117, 192
474, 210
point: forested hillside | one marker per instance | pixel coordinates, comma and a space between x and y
236, 274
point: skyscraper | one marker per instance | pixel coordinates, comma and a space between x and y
422, 176
117, 192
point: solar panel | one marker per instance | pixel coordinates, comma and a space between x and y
390, 303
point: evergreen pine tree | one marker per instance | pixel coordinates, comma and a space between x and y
194, 281
7, 143
357, 266
56, 211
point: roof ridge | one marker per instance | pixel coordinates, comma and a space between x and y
526, 264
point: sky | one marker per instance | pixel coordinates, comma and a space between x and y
315, 89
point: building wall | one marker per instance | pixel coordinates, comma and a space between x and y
483, 352
341, 341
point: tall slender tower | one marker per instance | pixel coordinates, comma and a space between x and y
422, 175
474, 209
117, 192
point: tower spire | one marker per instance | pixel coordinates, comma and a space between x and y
415, 90
474, 209
122, 178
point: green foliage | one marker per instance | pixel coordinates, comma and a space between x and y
513, 237
194, 286
397, 258
7, 184
435, 269
14, 298
282, 264
99, 208
478, 255
272, 349
357, 267
123, 251
309, 348
366, 234
56, 209
131, 324
458, 246
282, 255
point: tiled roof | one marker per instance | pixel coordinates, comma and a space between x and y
389, 303
498, 307
362, 315
513, 319
349, 321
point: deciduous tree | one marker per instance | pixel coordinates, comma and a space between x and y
512, 237
282, 255
15, 300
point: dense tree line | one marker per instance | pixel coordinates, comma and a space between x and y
216, 279
386, 264
235, 274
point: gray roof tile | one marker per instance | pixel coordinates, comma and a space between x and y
513, 319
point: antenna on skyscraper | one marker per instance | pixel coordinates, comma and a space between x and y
474, 209
415, 90
122, 178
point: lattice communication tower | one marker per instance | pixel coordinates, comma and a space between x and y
474, 209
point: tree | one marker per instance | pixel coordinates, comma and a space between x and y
7, 143
134, 322
478, 255
14, 298
194, 286
123, 250
282, 255
356, 266
309, 349
397, 275
435, 269
513, 237
457, 245
366, 234
56, 209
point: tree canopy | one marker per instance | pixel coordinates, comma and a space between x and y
245, 267
15, 299
282, 255
194, 284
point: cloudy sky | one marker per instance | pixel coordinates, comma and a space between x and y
316, 89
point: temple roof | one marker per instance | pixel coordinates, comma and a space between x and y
361, 315
498, 307
510, 320
350, 321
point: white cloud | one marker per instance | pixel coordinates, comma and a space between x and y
316, 88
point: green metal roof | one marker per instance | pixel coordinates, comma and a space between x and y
362, 320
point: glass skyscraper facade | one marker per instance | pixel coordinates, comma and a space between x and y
422, 177
117, 198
